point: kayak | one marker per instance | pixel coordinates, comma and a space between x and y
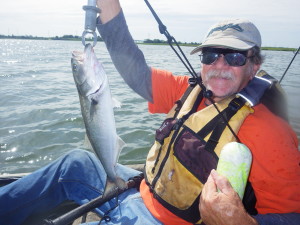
63, 208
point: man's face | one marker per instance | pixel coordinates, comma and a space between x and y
224, 80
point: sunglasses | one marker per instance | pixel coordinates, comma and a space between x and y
232, 57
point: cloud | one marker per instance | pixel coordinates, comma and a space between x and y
186, 20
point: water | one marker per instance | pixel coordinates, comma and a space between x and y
40, 115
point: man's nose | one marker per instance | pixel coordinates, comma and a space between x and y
220, 62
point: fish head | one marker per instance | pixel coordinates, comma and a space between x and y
77, 67
85, 68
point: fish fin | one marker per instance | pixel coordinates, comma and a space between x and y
121, 183
93, 99
92, 110
111, 185
120, 144
87, 144
116, 103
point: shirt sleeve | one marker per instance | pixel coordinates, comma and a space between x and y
275, 170
278, 219
126, 56
166, 89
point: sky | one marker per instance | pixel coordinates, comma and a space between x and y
186, 20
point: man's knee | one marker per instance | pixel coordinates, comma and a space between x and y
79, 153
77, 163
78, 156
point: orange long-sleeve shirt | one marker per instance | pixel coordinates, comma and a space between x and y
275, 171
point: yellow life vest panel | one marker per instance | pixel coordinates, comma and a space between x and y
179, 163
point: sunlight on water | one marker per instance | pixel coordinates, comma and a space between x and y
40, 112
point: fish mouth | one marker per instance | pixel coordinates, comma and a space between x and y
78, 56
81, 56
88, 48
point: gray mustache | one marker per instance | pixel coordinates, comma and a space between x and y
220, 74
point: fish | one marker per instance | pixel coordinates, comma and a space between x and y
97, 111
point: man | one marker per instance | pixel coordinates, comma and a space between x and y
230, 59
173, 182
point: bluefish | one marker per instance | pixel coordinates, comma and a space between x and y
97, 110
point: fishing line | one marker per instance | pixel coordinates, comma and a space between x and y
106, 217
184, 60
196, 79
289, 65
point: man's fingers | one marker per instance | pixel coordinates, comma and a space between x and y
222, 183
210, 186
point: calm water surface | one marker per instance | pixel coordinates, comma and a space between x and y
40, 117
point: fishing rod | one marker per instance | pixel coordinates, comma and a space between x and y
289, 65
184, 60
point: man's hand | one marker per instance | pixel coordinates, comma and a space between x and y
109, 9
223, 207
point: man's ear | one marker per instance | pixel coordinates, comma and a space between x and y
256, 67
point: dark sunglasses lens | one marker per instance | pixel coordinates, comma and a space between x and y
235, 59
209, 57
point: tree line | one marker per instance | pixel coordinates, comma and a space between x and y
146, 41
158, 41
76, 37
30, 37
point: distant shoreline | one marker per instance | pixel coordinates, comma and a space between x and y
144, 42
263, 48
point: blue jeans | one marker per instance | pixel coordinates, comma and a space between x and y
77, 176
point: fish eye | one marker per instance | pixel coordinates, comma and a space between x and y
74, 67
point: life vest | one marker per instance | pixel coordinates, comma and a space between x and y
189, 142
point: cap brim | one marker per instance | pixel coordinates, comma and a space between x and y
226, 43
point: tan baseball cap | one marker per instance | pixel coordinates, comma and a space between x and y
239, 34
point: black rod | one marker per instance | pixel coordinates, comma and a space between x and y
163, 30
94, 203
289, 65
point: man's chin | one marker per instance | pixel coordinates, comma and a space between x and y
220, 95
